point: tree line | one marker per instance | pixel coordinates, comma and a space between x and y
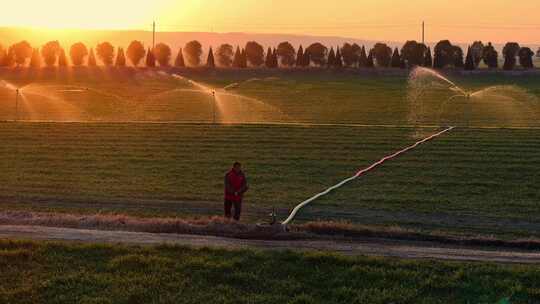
411, 54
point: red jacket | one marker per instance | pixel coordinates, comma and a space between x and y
235, 186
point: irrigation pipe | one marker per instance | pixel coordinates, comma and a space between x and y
361, 173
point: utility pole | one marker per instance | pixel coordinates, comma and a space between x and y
423, 32
153, 35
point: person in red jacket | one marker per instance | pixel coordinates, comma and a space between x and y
235, 188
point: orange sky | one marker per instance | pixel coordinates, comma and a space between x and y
459, 20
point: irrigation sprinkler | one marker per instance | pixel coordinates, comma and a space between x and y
17, 104
214, 107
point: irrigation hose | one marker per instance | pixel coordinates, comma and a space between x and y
361, 173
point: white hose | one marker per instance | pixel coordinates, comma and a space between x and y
360, 173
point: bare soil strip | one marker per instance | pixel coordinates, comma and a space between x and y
369, 247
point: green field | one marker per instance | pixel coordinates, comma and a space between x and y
319, 96
471, 180
60, 273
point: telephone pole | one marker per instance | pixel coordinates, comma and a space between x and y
153, 35
423, 32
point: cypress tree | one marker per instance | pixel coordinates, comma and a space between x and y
396, 59
179, 62
92, 58
269, 62
428, 59
150, 59
370, 63
306, 61
300, 57
120, 58
210, 62
275, 61
331, 58
237, 60
469, 61
339, 59
35, 60
362, 59
62, 59
244, 59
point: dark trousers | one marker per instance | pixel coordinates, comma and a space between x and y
237, 209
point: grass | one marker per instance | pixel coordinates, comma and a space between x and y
477, 181
470, 181
62, 273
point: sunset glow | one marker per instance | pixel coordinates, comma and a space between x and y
379, 20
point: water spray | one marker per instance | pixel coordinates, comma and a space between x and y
359, 174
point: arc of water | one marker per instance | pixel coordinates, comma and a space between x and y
361, 173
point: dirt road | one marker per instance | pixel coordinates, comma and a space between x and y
369, 247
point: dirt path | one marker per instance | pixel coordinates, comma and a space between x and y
370, 247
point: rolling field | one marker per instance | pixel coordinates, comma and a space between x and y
470, 180
376, 97
72, 273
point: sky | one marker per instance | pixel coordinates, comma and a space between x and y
385, 20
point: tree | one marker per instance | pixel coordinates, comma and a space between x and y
428, 59
362, 58
225, 53
244, 60
350, 54
300, 57
369, 62
35, 60
510, 51
525, 55
414, 53
339, 59
10, 58
163, 53
21, 51
317, 53
396, 59
78, 52
120, 58
469, 61
458, 57
254, 53
269, 61
491, 56
307, 59
275, 60
50, 52
331, 58
237, 61
3, 56
105, 52
383, 54
179, 62
210, 61
477, 49
135, 52
62, 58
286, 53
447, 54
92, 59
193, 52
150, 59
